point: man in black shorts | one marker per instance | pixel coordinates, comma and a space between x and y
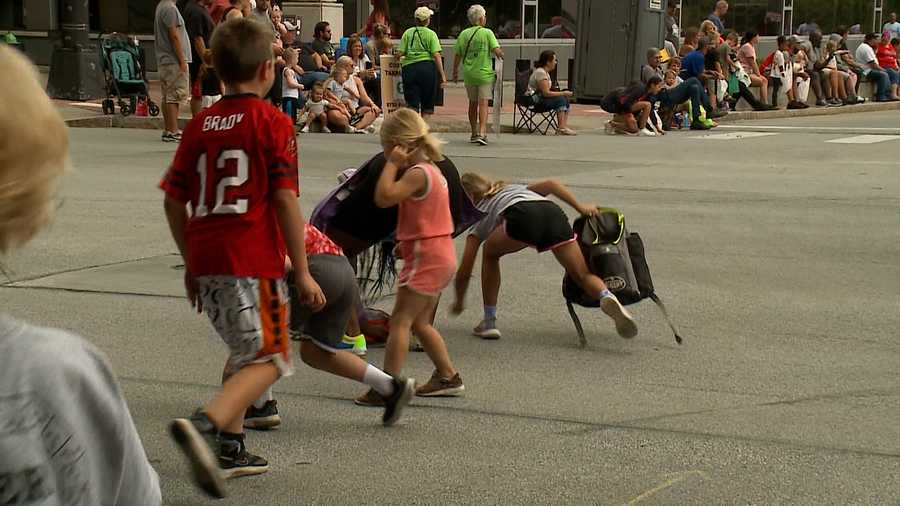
199, 25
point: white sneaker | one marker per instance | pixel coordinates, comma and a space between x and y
625, 325
305, 129
326, 130
646, 133
486, 332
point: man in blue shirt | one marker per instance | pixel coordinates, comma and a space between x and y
717, 14
693, 65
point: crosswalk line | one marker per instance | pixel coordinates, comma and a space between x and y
732, 136
864, 139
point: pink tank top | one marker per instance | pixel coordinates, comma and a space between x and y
427, 216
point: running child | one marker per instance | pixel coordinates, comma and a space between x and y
519, 216
316, 109
425, 245
322, 332
290, 87
242, 190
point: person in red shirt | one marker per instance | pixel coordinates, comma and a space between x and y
886, 53
321, 333
242, 190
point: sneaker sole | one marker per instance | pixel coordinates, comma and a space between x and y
204, 465
625, 325
445, 392
490, 334
409, 390
263, 422
237, 472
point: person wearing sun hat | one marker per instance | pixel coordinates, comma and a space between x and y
422, 64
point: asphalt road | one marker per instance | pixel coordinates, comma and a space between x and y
776, 254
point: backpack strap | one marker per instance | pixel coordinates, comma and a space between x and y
578, 328
466, 52
662, 308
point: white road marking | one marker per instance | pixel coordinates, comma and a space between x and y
732, 136
864, 139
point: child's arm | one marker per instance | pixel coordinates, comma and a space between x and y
351, 92
293, 230
464, 273
177, 216
292, 80
390, 191
558, 190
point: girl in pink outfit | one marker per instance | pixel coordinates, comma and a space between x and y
424, 231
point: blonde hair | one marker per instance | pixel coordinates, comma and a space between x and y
290, 54
480, 187
406, 128
34, 151
707, 27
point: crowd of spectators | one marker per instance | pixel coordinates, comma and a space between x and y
727, 67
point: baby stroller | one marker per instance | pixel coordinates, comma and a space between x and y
126, 77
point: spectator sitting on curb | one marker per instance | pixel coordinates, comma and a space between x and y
690, 89
316, 110
833, 79
716, 86
675, 66
814, 57
887, 59
694, 66
540, 84
322, 43
843, 61
747, 59
735, 73
363, 69
865, 56
782, 73
360, 104
652, 67
342, 89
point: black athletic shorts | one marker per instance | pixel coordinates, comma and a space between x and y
540, 224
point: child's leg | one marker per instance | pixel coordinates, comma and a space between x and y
644, 109
497, 245
408, 306
570, 257
227, 409
432, 341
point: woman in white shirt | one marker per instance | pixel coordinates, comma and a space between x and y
539, 85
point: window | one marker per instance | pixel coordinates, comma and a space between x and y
140, 16
761, 16
12, 15
827, 15
547, 18
556, 19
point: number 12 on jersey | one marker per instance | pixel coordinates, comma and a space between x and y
239, 206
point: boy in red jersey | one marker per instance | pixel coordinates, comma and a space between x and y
236, 167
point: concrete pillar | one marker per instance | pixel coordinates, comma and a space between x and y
311, 12
75, 70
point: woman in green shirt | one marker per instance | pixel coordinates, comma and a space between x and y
474, 48
420, 58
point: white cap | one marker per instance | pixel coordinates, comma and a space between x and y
423, 13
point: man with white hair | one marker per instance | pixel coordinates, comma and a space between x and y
474, 48
717, 14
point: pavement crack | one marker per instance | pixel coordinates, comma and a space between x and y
12, 283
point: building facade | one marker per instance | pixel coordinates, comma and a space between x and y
524, 27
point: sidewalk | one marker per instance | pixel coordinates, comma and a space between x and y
452, 117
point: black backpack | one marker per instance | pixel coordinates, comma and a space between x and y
617, 257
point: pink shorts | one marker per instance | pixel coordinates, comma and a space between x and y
428, 264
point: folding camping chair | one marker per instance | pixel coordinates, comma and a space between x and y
532, 117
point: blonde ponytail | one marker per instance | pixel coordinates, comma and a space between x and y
480, 187
406, 128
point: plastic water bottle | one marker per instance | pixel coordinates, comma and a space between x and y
685, 120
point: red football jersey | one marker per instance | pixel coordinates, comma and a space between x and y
232, 158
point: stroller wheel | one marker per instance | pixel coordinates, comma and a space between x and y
153, 109
125, 109
109, 107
